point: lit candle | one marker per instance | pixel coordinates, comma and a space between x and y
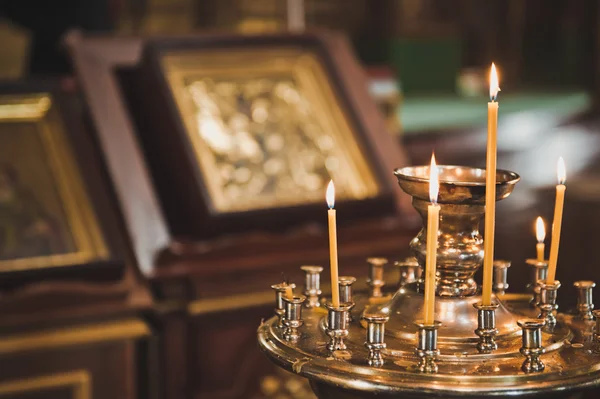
333, 256
490, 190
557, 223
433, 218
540, 234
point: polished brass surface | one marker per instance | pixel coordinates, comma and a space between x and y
267, 128
472, 350
462, 370
38, 113
460, 245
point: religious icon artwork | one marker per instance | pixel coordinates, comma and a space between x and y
266, 129
46, 219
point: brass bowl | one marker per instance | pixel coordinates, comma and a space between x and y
458, 184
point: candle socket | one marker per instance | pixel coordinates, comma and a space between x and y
337, 325
486, 327
375, 280
585, 303
375, 338
532, 347
547, 303
500, 276
312, 285
293, 317
427, 350
539, 273
410, 271
279, 306
346, 283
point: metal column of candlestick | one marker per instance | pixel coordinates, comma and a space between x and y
518, 346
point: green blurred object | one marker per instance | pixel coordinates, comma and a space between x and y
426, 64
450, 112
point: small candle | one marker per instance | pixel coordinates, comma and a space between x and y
540, 234
333, 256
289, 292
433, 217
557, 223
490, 190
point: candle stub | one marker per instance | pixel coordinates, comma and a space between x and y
540, 234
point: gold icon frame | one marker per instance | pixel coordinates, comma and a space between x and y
40, 110
353, 178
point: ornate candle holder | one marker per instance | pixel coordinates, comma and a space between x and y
453, 362
547, 303
427, 350
409, 270
375, 280
337, 325
279, 306
539, 271
293, 317
500, 276
346, 283
532, 347
312, 285
486, 327
585, 305
375, 338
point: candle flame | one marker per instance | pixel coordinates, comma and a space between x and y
540, 230
330, 195
494, 86
561, 171
434, 182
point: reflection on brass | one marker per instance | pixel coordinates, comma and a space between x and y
79, 383
267, 128
100, 332
46, 217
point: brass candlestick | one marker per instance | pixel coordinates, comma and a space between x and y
585, 304
337, 325
375, 338
312, 285
486, 327
427, 350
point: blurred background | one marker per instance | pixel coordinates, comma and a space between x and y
427, 55
427, 63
